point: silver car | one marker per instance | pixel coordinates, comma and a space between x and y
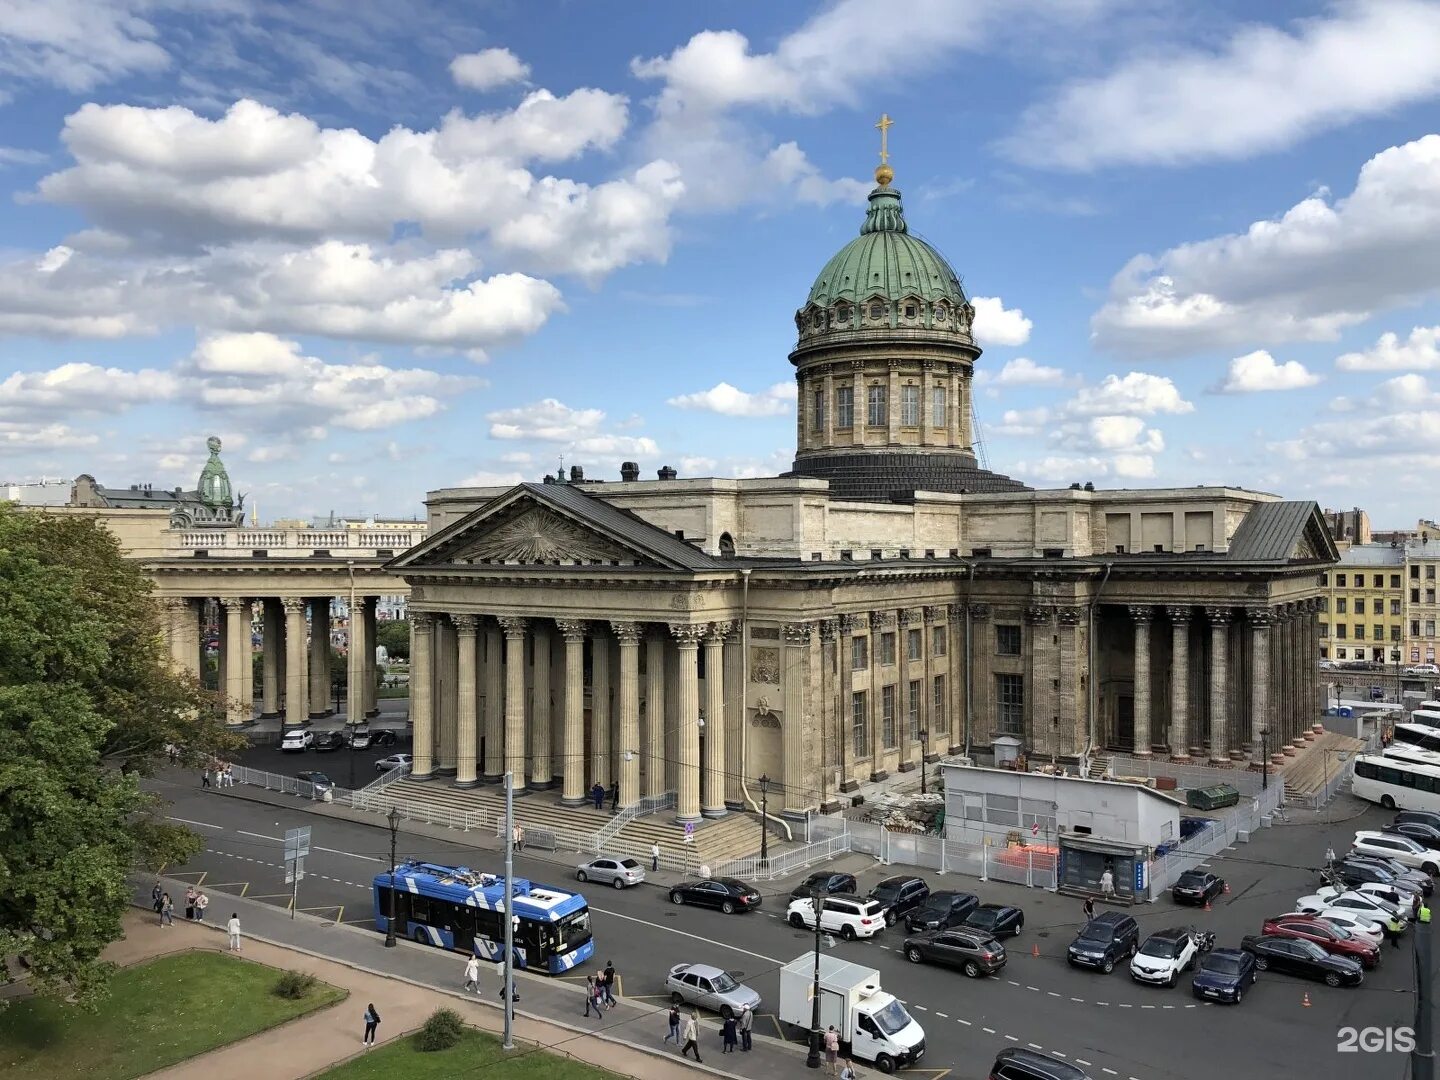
620, 871
710, 987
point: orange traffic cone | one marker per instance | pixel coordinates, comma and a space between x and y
1305, 1001
1035, 951
1227, 888
1207, 905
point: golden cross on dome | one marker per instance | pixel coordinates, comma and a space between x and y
884, 125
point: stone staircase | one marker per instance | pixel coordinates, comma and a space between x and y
1307, 772
718, 840
1099, 766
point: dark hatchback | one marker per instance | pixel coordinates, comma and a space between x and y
1418, 831
827, 882
1296, 956
1224, 975
1104, 941
328, 740
727, 894
941, 911
1196, 887
900, 895
997, 920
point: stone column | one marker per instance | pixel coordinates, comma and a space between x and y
927, 416
514, 630
494, 706
271, 638
600, 741
372, 707
827, 710
296, 675
795, 668
239, 677
654, 737
572, 752
1219, 618
734, 717
903, 622
542, 774
892, 405
1042, 663
172, 610
422, 680
465, 699
687, 721
1179, 616
960, 408
628, 706
1259, 621
828, 389
712, 787
881, 622
1309, 672
355, 667
320, 656
981, 720
857, 395
447, 700
1141, 613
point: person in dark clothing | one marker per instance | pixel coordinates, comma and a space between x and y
597, 795
1089, 908
615, 795
727, 1035
674, 1018
372, 1021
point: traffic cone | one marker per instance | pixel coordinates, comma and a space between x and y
1305, 1001
1227, 888
1207, 905
1035, 951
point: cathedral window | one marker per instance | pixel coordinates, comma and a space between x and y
912, 709
1010, 704
937, 406
942, 312
913, 643
844, 407
887, 715
876, 416
887, 648
1007, 640
910, 311
859, 725
859, 653
842, 313
817, 418
937, 704
937, 640
910, 406
877, 309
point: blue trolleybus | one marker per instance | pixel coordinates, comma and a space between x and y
455, 907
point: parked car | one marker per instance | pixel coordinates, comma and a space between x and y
997, 920
827, 882
296, 739
1104, 941
621, 871
1426, 817
1425, 835
1355, 923
1295, 956
327, 740
383, 737
318, 781
358, 738
1423, 669
972, 951
1397, 901
900, 895
1330, 938
849, 916
1165, 956
728, 894
1367, 905
394, 761
940, 911
1223, 975
710, 987
1017, 1063
1401, 849
1416, 881
1196, 887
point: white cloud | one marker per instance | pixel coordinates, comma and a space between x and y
1126, 434
1135, 394
488, 69
1292, 278
77, 44
21, 437
15, 155
1266, 89
80, 387
1022, 422
726, 400
542, 127
1419, 352
547, 420
995, 324
1022, 371
1259, 371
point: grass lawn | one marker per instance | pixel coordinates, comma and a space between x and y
469, 1057
158, 1014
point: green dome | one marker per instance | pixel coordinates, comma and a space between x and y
886, 261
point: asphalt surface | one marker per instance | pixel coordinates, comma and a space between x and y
1108, 1025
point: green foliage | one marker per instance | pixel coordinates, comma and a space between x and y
294, 984
442, 1030
88, 702
394, 634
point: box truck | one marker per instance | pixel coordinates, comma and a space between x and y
872, 1023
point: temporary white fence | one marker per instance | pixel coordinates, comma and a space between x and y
1237, 824
785, 863
1186, 776
288, 785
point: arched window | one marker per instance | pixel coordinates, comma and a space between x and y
877, 309
842, 313
727, 546
941, 312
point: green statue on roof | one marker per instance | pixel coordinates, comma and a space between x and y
214, 486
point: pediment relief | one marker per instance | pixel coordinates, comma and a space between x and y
535, 536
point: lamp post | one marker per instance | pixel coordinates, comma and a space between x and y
394, 819
1264, 759
764, 820
507, 989
812, 1059
924, 753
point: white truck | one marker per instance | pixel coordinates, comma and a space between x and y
872, 1023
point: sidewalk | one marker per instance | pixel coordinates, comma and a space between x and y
409, 982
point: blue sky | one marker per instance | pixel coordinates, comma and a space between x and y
384, 248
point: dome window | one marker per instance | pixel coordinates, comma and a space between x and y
941, 312
877, 309
910, 311
842, 313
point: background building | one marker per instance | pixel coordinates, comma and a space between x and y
1348, 526
1364, 613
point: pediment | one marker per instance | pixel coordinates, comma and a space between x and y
533, 535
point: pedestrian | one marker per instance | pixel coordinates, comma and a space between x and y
232, 928
747, 1018
167, 911
1107, 884
674, 1019
597, 795
229, 774
190, 903
472, 973
205, 777
201, 903
654, 857
1089, 908
593, 997
372, 1021
609, 976
615, 795
727, 1035
515, 838
519, 837
156, 893
832, 1049
849, 1072
690, 1043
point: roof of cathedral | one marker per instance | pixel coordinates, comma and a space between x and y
1281, 532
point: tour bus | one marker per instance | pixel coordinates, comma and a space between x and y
1418, 734
1411, 753
454, 907
1397, 784
1426, 715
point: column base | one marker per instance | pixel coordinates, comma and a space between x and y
1223, 759
422, 776
907, 766
1238, 755
735, 806
465, 783
878, 775
271, 715
498, 779
321, 715
370, 714
831, 807
688, 819
930, 759
1180, 759
957, 748
714, 811
1197, 752
445, 770
792, 815
1137, 752
541, 785
849, 786
576, 800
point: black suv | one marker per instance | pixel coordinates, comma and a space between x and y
1018, 1064
900, 895
828, 882
940, 911
328, 740
1104, 941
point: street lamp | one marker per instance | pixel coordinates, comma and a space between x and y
812, 1059
924, 753
394, 819
764, 820
1264, 758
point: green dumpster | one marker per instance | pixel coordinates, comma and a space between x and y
1213, 797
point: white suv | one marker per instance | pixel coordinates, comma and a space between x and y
1164, 957
1400, 848
297, 739
849, 916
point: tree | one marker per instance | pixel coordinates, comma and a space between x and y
88, 703
394, 634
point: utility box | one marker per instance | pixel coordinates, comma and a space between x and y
1214, 797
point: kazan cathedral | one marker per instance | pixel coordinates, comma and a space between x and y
887, 601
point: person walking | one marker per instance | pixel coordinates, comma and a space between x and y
832, 1049
519, 837
167, 911
849, 1072
472, 973
727, 1035
190, 903
747, 1019
674, 1019
232, 930
205, 777
654, 857
591, 1002
229, 774
1107, 884
609, 976
156, 894
201, 903
597, 795
1089, 908
372, 1021
690, 1043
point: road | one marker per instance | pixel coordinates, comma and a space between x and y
1109, 1025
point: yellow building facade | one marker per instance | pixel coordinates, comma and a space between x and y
1381, 604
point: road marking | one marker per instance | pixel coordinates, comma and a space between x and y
922, 1008
965, 1022
202, 824
1012, 1038
1012, 982
1036, 1046
1035, 988
1112, 1072
1080, 1000
1124, 1006
988, 1031
1102, 1003
261, 836
1058, 1054
1147, 1006
943, 1016
692, 937
1052, 993
1083, 1062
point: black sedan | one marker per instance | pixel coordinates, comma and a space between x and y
727, 893
997, 920
828, 882
1224, 975
1296, 956
1421, 833
1196, 887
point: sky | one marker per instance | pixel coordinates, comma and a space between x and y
384, 248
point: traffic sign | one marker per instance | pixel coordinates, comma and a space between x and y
294, 870
689, 828
297, 843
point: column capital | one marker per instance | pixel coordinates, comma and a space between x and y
1036, 613
233, 603
937, 613
1219, 615
1310, 605
907, 617
465, 624
1069, 615
829, 629
796, 634
853, 621
1260, 618
514, 626
1179, 613
978, 612
422, 622
882, 620
293, 605
719, 632
174, 603
1141, 612
572, 629
687, 635
627, 633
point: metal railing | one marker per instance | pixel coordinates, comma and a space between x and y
385, 779
1218, 834
290, 785
784, 863
1186, 776
646, 806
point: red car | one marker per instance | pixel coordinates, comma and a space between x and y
1331, 938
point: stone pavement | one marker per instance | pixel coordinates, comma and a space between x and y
409, 982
